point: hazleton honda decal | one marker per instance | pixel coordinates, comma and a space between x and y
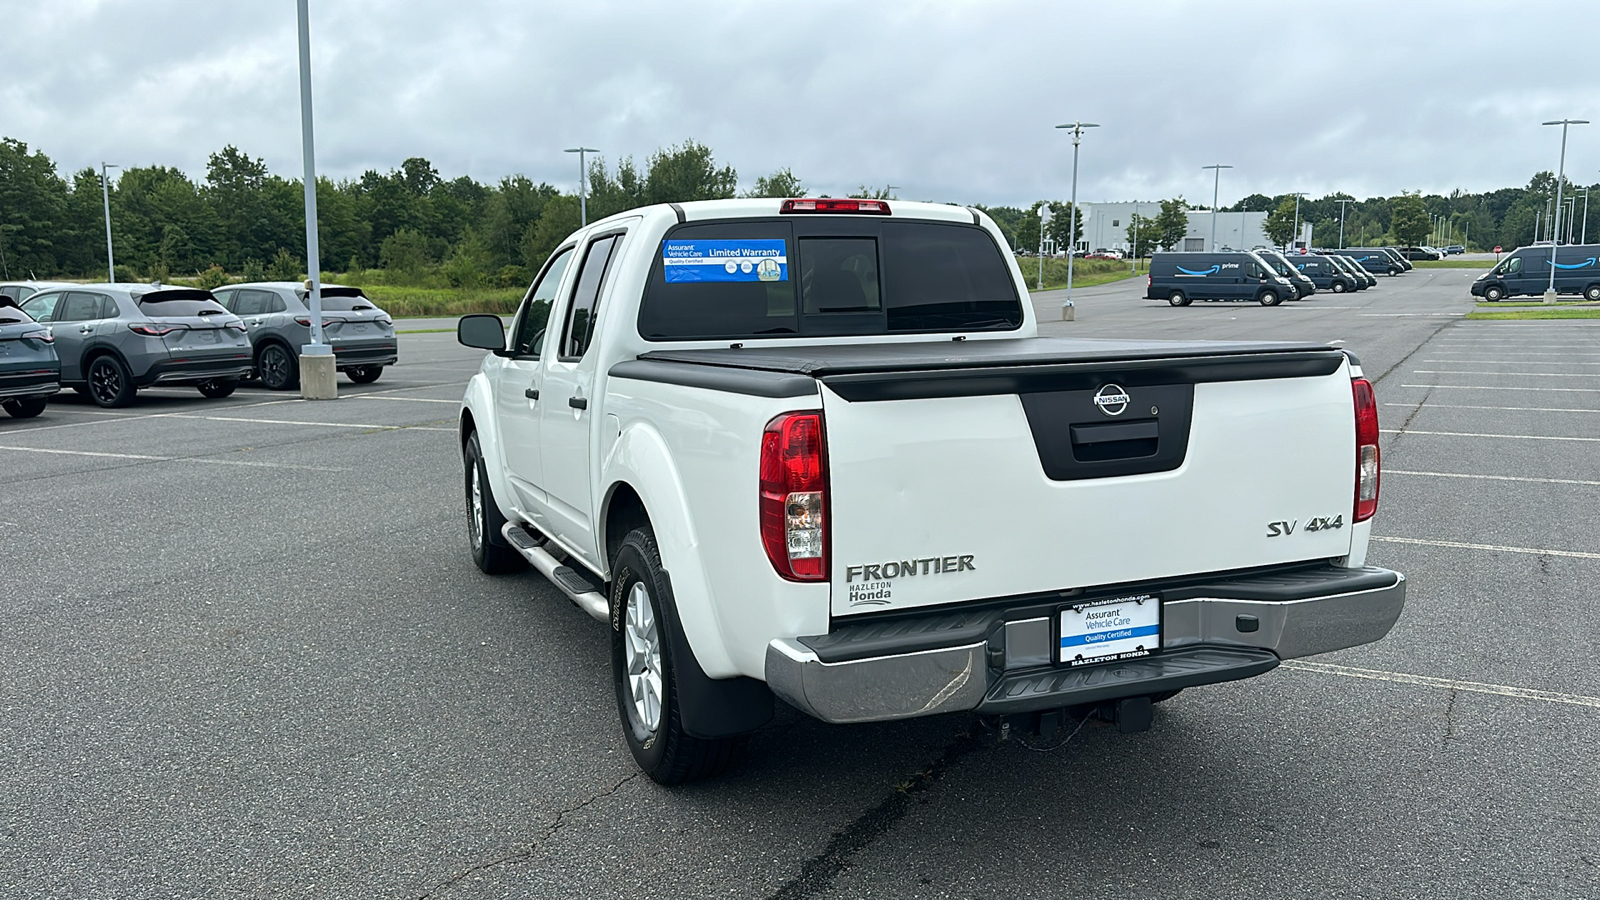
872, 584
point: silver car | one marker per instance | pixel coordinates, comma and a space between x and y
361, 334
116, 338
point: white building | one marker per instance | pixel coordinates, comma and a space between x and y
1235, 231
1105, 225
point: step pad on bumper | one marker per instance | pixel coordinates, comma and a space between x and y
1167, 671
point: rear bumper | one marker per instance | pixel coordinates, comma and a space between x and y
41, 382
194, 371
385, 353
999, 662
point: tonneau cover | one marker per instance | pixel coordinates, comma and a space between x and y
823, 360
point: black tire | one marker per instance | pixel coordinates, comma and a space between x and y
1592, 292
218, 388
1176, 298
667, 753
1338, 287
1494, 293
110, 384
364, 374
490, 551
277, 368
25, 409
1268, 297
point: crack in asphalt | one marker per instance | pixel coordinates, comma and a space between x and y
1414, 351
818, 872
527, 851
1449, 719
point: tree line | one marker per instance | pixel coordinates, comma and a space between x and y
418, 227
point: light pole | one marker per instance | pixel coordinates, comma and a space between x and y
888, 191
1216, 182
1044, 219
583, 181
105, 195
1294, 235
1072, 221
316, 358
1584, 239
1135, 253
1561, 171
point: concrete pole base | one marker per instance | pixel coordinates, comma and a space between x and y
318, 378
1068, 311
1550, 297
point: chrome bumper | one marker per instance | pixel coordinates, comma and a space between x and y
1204, 640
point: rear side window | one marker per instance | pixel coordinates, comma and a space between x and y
257, 303
83, 307
586, 298
180, 303
828, 276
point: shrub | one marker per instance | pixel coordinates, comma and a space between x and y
212, 277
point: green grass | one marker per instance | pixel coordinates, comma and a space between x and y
1453, 263
1512, 315
419, 301
1085, 272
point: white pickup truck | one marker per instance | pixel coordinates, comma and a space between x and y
815, 448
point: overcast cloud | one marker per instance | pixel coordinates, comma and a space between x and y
950, 101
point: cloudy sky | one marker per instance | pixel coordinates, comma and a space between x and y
948, 100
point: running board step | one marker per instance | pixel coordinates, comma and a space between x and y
569, 581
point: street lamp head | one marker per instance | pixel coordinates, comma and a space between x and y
1566, 122
1217, 166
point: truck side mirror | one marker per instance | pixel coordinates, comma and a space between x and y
485, 332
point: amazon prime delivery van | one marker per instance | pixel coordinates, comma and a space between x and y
1325, 273
1376, 260
1527, 271
1182, 278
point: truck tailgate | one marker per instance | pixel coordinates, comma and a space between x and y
986, 472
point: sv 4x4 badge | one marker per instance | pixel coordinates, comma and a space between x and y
1284, 529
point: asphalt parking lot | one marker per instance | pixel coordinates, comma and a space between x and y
249, 655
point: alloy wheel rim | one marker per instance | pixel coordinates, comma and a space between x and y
641, 643
107, 383
272, 366
475, 524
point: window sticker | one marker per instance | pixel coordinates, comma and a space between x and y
706, 261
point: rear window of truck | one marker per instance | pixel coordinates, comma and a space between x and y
758, 278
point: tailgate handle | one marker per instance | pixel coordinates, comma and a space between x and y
1105, 434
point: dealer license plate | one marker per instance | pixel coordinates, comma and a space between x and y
1109, 630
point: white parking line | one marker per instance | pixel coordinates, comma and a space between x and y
204, 459
86, 453
1474, 434
1475, 687
1472, 372
1491, 477
367, 426
1500, 408
404, 399
1484, 387
1458, 545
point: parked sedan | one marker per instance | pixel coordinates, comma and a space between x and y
29, 370
116, 338
361, 334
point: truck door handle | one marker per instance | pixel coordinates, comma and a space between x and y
531, 393
578, 402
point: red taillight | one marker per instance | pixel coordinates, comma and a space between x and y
43, 334
1148, 281
831, 205
1367, 467
155, 329
306, 321
794, 496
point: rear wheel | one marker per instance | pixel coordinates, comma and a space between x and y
1178, 299
490, 552
277, 368
110, 385
1494, 293
364, 374
218, 388
1592, 292
1268, 297
25, 409
642, 667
